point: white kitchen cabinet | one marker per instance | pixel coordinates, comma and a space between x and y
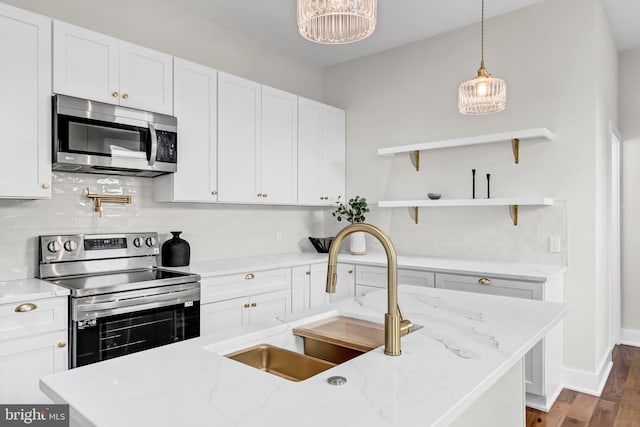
257, 143
321, 153
25, 114
370, 278
309, 282
277, 157
239, 103
195, 106
95, 66
32, 344
244, 311
237, 300
543, 362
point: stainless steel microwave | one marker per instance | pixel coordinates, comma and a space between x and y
94, 137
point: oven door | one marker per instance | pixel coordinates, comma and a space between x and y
108, 326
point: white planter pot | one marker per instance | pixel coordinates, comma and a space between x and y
357, 244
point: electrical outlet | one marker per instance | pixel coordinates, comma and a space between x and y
554, 244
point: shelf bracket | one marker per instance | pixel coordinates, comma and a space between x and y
413, 213
415, 159
515, 146
513, 211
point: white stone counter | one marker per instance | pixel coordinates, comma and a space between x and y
20, 291
468, 343
507, 270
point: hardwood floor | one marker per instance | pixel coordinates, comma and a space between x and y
619, 405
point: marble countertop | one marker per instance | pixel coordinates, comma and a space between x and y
507, 270
19, 291
467, 343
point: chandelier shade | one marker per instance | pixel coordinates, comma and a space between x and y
483, 94
336, 21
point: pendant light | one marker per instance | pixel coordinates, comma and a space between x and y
336, 21
484, 94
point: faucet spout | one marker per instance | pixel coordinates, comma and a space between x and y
394, 325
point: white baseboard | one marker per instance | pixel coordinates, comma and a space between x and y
589, 382
630, 337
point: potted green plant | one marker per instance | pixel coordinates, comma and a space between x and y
353, 211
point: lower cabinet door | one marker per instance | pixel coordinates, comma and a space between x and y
269, 306
346, 285
224, 315
23, 361
317, 295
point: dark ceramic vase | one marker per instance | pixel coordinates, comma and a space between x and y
176, 251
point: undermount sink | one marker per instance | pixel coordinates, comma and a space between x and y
327, 343
283, 363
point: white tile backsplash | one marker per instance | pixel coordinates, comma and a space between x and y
214, 231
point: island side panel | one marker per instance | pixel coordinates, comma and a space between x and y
502, 405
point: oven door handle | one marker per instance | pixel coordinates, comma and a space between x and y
154, 144
104, 309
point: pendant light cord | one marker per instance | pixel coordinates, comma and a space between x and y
482, 37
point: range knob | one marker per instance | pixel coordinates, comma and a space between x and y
151, 241
137, 242
70, 246
53, 246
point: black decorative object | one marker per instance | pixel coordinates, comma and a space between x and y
488, 186
176, 251
321, 243
473, 191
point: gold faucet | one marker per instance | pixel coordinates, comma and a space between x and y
394, 325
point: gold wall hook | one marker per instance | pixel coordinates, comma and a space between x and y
98, 199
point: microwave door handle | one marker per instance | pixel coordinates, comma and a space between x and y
154, 144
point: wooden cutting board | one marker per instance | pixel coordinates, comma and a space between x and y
356, 334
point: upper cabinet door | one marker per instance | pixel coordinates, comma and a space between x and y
238, 138
310, 152
195, 106
145, 79
94, 66
321, 153
278, 150
333, 162
85, 64
25, 116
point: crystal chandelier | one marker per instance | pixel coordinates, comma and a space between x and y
336, 21
484, 94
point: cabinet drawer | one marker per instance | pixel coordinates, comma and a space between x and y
49, 314
377, 276
490, 285
244, 284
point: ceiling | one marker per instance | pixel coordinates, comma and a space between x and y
399, 22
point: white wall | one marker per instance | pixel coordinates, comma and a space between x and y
630, 198
213, 231
546, 53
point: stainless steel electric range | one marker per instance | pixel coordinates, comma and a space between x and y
121, 302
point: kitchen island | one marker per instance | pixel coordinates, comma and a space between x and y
464, 365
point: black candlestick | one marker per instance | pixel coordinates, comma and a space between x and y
488, 186
473, 191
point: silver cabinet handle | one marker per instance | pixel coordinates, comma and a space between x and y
250, 276
23, 308
484, 281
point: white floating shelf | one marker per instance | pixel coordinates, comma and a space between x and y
512, 203
513, 136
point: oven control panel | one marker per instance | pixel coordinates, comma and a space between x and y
97, 246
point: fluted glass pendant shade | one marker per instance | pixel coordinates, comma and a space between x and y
336, 21
484, 94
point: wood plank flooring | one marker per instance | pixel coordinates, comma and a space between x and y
619, 405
